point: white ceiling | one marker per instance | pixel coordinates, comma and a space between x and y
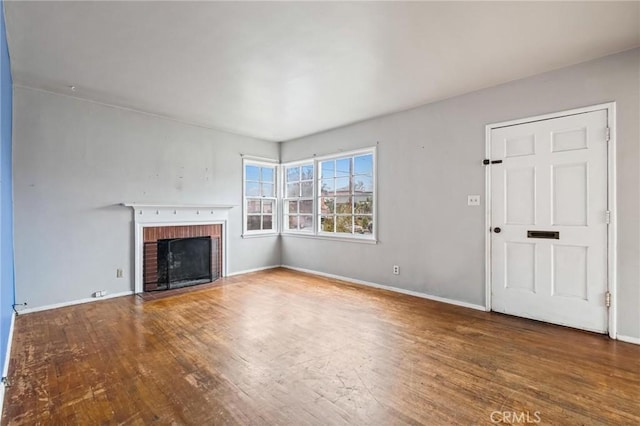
278, 71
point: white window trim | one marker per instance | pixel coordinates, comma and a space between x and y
283, 198
368, 239
276, 199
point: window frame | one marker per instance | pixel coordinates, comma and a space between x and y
275, 199
317, 178
284, 198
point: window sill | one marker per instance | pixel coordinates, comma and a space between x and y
260, 235
330, 238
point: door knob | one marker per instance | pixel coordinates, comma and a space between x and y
497, 230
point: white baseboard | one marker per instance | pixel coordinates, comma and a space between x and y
74, 302
386, 287
5, 368
629, 339
248, 271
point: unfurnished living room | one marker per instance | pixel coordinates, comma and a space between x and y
320, 213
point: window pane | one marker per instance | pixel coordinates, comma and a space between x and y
363, 184
344, 224
293, 174
253, 189
252, 173
363, 165
306, 206
343, 205
267, 222
327, 186
253, 206
326, 223
267, 190
253, 223
293, 190
267, 174
267, 206
343, 185
306, 222
307, 189
364, 204
328, 168
364, 224
307, 172
292, 207
343, 167
327, 205
292, 222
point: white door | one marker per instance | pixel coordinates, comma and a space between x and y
549, 220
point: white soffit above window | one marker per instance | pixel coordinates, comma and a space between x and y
281, 70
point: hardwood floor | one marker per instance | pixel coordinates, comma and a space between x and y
281, 347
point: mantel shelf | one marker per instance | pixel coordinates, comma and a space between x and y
179, 206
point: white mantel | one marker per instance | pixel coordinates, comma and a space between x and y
149, 215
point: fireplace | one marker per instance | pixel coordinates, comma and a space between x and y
183, 262
156, 222
180, 256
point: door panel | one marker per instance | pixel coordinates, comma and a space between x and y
553, 177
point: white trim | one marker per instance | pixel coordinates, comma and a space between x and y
248, 271
327, 236
550, 116
487, 221
389, 288
276, 199
610, 107
283, 199
318, 233
179, 206
74, 302
5, 368
260, 235
629, 339
612, 205
259, 159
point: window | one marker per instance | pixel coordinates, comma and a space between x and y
346, 196
326, 197
298, 198
260, 202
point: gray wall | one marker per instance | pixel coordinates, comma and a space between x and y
429, 160
74, 161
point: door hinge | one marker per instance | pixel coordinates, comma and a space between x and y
607, 217
607, 299
607, 134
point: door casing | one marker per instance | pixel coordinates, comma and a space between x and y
610, 107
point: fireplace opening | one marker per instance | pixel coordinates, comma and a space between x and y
183, 262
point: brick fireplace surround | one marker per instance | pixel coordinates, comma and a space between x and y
158, 221
151, 234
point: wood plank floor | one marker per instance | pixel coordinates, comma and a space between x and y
281, 347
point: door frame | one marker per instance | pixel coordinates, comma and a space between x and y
610, 107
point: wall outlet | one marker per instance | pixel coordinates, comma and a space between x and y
119, 273
100, 293
473, 200
396, 270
